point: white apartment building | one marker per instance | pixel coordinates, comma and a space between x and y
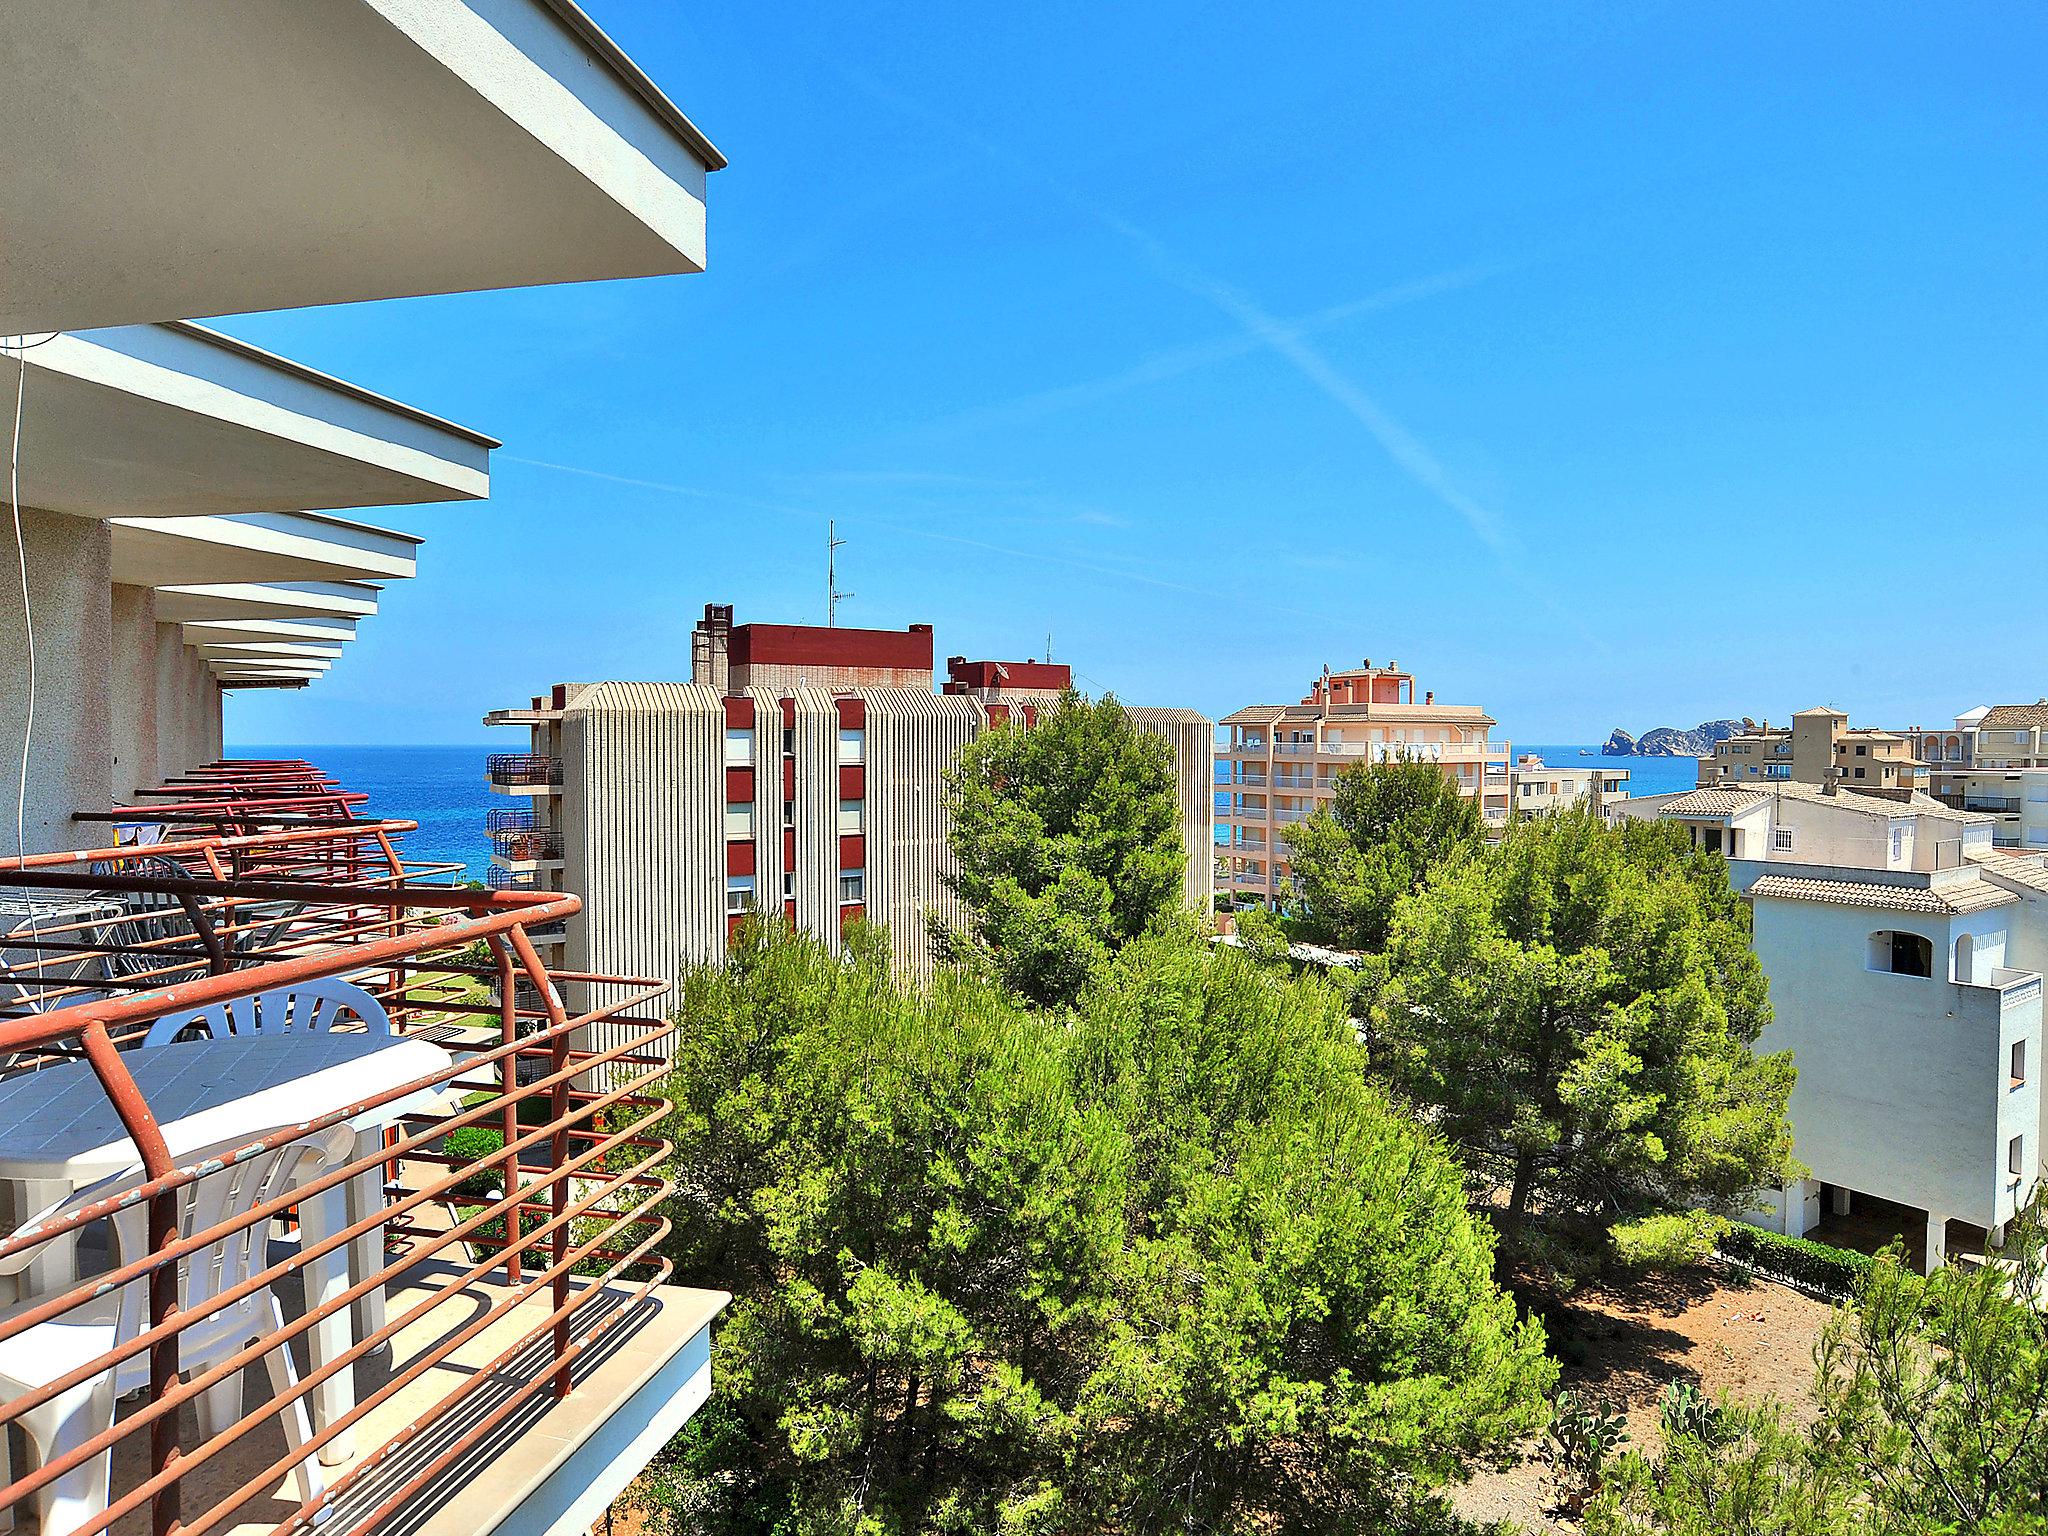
1993, 761
1277, 763
1904, 954
1535, 786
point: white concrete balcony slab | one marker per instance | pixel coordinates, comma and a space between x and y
203, 159
259, 547
275, 651
228, 602
178, 420
299, 631
270, 666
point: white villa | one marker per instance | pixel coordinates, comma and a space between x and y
1904, 952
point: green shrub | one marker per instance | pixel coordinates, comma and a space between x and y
471, 1144
1672, 1240
1836, 1273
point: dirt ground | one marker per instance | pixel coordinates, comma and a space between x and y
1623, 1344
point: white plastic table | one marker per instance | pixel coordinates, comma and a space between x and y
59, 1131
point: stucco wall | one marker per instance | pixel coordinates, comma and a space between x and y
1902, 1089
70, 581
134, 687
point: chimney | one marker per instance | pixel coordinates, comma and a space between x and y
711, 647
1429, 696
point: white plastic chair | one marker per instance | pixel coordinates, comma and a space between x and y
309, 1007
48, 1350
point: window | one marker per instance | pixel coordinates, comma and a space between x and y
1859, 773
1901, 954
2019, 1063
1781, 839
789, 885
739, 892
739, 746
1898, 843
1862, 751
849, 818
2014, 1150
739, 818
789, 741
853, 884
852, 745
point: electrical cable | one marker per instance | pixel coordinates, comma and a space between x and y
21, 346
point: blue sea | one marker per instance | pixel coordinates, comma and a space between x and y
441, 788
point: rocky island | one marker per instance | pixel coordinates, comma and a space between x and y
1669, 741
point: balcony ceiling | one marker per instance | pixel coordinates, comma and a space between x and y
299, 631
219, 156
277, 650
177, 420
226, 602
268, 547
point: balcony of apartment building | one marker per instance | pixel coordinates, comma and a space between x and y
521, 842
286, 1030
523, 773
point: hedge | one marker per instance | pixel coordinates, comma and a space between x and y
1833, 1272
471, 1144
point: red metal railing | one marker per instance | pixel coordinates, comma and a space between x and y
573, 1229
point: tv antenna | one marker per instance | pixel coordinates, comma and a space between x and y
833, 544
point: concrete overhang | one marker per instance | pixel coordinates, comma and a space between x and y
230, 601
259, 670
301, 631
202, 159
271, 652
260, 547
177, 420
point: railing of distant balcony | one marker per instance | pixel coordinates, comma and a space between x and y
523, 845
242, 801
1991, 805
520, 769
570, 1234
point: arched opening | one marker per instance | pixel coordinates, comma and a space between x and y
1965, 946
1901, 954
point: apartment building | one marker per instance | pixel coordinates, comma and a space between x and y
1535, 786
186, 528
1278, 761
800, 770
1993, 761
1904, 953
1819, 745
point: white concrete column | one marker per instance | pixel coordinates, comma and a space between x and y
1794, 1195
1838, 1200
1937, 1242
70, 768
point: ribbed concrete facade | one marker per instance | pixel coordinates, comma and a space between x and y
914, 737
643, 827
848, 822
817, 814
1193, 739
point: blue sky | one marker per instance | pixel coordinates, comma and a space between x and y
1604, 365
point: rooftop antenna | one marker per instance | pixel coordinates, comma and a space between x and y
833, 544
1048, 651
